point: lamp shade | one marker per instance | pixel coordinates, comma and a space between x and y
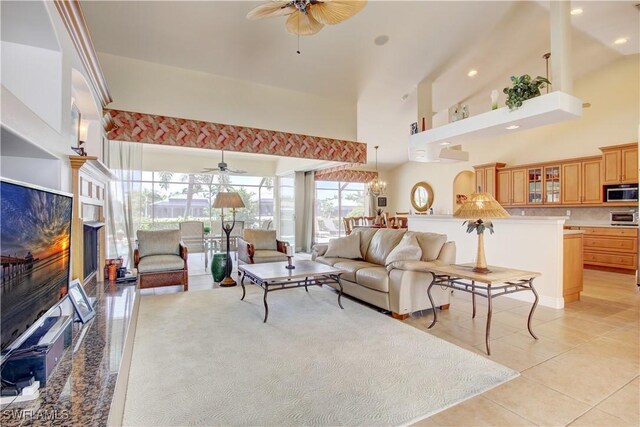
228, 199
481, 205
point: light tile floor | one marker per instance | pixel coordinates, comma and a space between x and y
583, 371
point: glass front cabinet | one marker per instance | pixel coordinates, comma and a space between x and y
552, 184
534, 186
543, 185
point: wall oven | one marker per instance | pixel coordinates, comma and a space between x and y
622, 193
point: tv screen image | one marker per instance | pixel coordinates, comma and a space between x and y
35, 238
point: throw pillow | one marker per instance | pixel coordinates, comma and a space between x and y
430, 243
344, 247
407, 250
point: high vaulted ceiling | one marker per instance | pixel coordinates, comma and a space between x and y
439, 40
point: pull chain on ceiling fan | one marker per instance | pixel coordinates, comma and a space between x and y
308, 17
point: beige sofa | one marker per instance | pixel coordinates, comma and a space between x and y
402, 286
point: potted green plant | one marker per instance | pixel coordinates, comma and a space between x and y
207, 229
523, 88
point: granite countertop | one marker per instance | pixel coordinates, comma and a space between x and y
80, 389
595, 223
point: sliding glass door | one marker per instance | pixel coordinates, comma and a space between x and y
287, 229
335, 200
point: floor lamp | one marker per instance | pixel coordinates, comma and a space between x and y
477, 210
229, 200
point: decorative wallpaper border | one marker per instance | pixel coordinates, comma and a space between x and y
162, 130
345, 175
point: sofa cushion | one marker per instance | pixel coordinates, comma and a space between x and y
345, 247
421, 266
329, 260
158, 263
264, 255
407, 250
376, 278
158, 242
366, 234
430, 243
261, 239
382, 244
351, 267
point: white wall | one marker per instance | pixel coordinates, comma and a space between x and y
33, 74
158, 89
36, 95
612, 119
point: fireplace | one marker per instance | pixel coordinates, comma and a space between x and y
90, 180
91, 237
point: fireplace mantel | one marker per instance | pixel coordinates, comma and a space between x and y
90, 182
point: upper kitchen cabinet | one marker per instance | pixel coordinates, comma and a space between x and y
486, 177
620, 164
581, 181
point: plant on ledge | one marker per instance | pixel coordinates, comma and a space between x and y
523, 88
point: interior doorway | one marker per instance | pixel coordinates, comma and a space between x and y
462, 188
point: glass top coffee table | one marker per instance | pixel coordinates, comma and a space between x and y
274, 276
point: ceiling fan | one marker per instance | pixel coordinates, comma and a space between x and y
223, 168
307, 17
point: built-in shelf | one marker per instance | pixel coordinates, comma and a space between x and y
543, 110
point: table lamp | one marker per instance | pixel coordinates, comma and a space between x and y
476, 210
229, 200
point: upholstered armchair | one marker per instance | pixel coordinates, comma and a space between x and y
161, 259
258, 246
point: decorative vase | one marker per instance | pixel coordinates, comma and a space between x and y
218, 264
494, 99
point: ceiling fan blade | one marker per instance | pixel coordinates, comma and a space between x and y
335, 11
302, 24
271, 9
236, 171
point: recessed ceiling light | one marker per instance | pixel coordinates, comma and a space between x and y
445, 143
512, 127
381, 40
621, 40
576, 11
472, 73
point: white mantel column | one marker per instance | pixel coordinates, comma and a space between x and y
561, 72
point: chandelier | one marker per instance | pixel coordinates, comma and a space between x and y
375, 186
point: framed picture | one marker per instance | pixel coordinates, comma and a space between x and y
382, 202
80, 302
414, 128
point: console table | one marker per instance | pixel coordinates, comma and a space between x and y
500, 281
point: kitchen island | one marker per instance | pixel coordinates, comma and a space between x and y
533, 243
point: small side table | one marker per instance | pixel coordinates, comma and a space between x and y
463, 278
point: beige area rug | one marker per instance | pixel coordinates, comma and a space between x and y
206, 358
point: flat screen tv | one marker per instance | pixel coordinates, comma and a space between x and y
35, 240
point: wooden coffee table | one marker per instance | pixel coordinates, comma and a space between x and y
274, 276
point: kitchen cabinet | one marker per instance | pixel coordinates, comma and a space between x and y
486, 177
611, 247
572, 271
580, 182
511, 187
544, 185
620, 164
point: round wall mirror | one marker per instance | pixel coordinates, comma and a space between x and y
421, 197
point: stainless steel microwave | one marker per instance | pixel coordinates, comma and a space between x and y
624, 217
622, 193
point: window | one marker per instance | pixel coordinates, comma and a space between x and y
170, 197
334, 201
